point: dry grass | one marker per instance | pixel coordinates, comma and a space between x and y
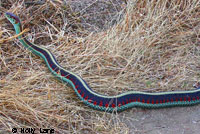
153, 47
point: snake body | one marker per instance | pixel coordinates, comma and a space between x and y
97, 101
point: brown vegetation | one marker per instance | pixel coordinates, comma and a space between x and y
154, 47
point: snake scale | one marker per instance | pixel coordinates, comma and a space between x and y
101, 102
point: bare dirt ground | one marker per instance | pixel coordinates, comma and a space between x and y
180, 120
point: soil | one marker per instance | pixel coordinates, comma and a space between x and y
177, 120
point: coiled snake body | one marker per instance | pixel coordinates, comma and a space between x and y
97, 101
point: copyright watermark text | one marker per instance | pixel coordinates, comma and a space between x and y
32, 131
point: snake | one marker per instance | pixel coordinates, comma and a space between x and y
115, 103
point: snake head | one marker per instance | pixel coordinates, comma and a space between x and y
12, 18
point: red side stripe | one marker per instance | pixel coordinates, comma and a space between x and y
189, 99
113, 105
106, 105
168, 100
164, 101
82, 95
86, 97
126, 101
157, 102
101, 103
